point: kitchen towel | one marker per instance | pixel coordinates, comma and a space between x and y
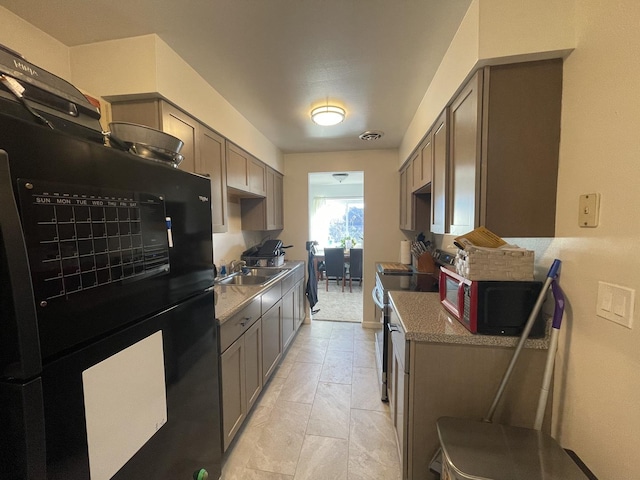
405, 252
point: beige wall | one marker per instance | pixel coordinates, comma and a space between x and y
381, 199
598, 384
493, 32
35, 45
146, 64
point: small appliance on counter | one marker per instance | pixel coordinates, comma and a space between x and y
269, 254
491, 307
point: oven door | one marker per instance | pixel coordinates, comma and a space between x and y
382, 339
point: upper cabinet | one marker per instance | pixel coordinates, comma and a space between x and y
495, 152
421, 163
212, 162
204, 151
507, 156
265, 213
407, 218
440, 141
464, 156
245, 173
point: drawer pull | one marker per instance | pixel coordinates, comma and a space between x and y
244, 321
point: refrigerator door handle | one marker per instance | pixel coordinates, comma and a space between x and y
22, 329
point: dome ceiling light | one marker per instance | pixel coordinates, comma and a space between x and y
327, 115
340, 177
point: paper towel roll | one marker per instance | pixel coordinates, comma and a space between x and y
405, 252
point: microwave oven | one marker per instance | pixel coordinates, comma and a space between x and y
491, 307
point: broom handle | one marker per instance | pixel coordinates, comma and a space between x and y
553, 272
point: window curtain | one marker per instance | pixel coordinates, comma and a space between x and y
319, 221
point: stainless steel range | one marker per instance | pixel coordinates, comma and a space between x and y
398, 277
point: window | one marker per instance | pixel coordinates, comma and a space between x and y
338, 222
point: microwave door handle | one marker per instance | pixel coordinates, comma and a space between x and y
24, 328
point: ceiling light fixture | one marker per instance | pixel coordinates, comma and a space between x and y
340, 176
327, 115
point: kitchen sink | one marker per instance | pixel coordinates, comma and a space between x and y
253, 276
244, 280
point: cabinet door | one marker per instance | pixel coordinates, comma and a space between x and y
464, 156
232, 384
406, 198
253, 363
211, 161
439, 177
271, 340
177, 123
415, 164
278, 201
301, 304
288, 317
257, 177
237, 167
422, 173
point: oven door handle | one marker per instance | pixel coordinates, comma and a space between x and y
374, 294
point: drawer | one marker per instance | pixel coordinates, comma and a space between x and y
271, 297
288, 282
233, 328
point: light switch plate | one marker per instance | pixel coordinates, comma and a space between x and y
616, 303
589, 210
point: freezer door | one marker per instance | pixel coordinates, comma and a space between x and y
142, 403
19, 344
111, 238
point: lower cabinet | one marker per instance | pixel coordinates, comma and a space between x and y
428, 380
241, 380
252, 343
271, 340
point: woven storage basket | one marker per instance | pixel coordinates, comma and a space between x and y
477, 263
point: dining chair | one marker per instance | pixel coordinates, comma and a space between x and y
334, 265
355, 266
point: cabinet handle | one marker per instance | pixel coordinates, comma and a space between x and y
392, 327
244, 321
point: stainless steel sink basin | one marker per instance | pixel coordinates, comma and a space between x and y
254, 276
263, 271
244, 280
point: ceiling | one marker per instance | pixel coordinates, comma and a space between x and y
274, 60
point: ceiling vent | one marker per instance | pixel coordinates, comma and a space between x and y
371, 135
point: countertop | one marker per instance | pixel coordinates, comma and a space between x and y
425, 320
230, 299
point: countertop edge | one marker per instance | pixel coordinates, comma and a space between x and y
235, 298
425, 320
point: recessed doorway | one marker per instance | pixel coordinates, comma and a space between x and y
336, 220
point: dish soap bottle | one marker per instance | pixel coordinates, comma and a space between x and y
223, 269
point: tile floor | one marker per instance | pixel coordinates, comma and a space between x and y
320, 415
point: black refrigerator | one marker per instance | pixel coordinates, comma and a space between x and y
108, 348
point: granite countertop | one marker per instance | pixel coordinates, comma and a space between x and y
425, 320
230, 299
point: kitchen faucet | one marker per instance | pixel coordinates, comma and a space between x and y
236, 265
